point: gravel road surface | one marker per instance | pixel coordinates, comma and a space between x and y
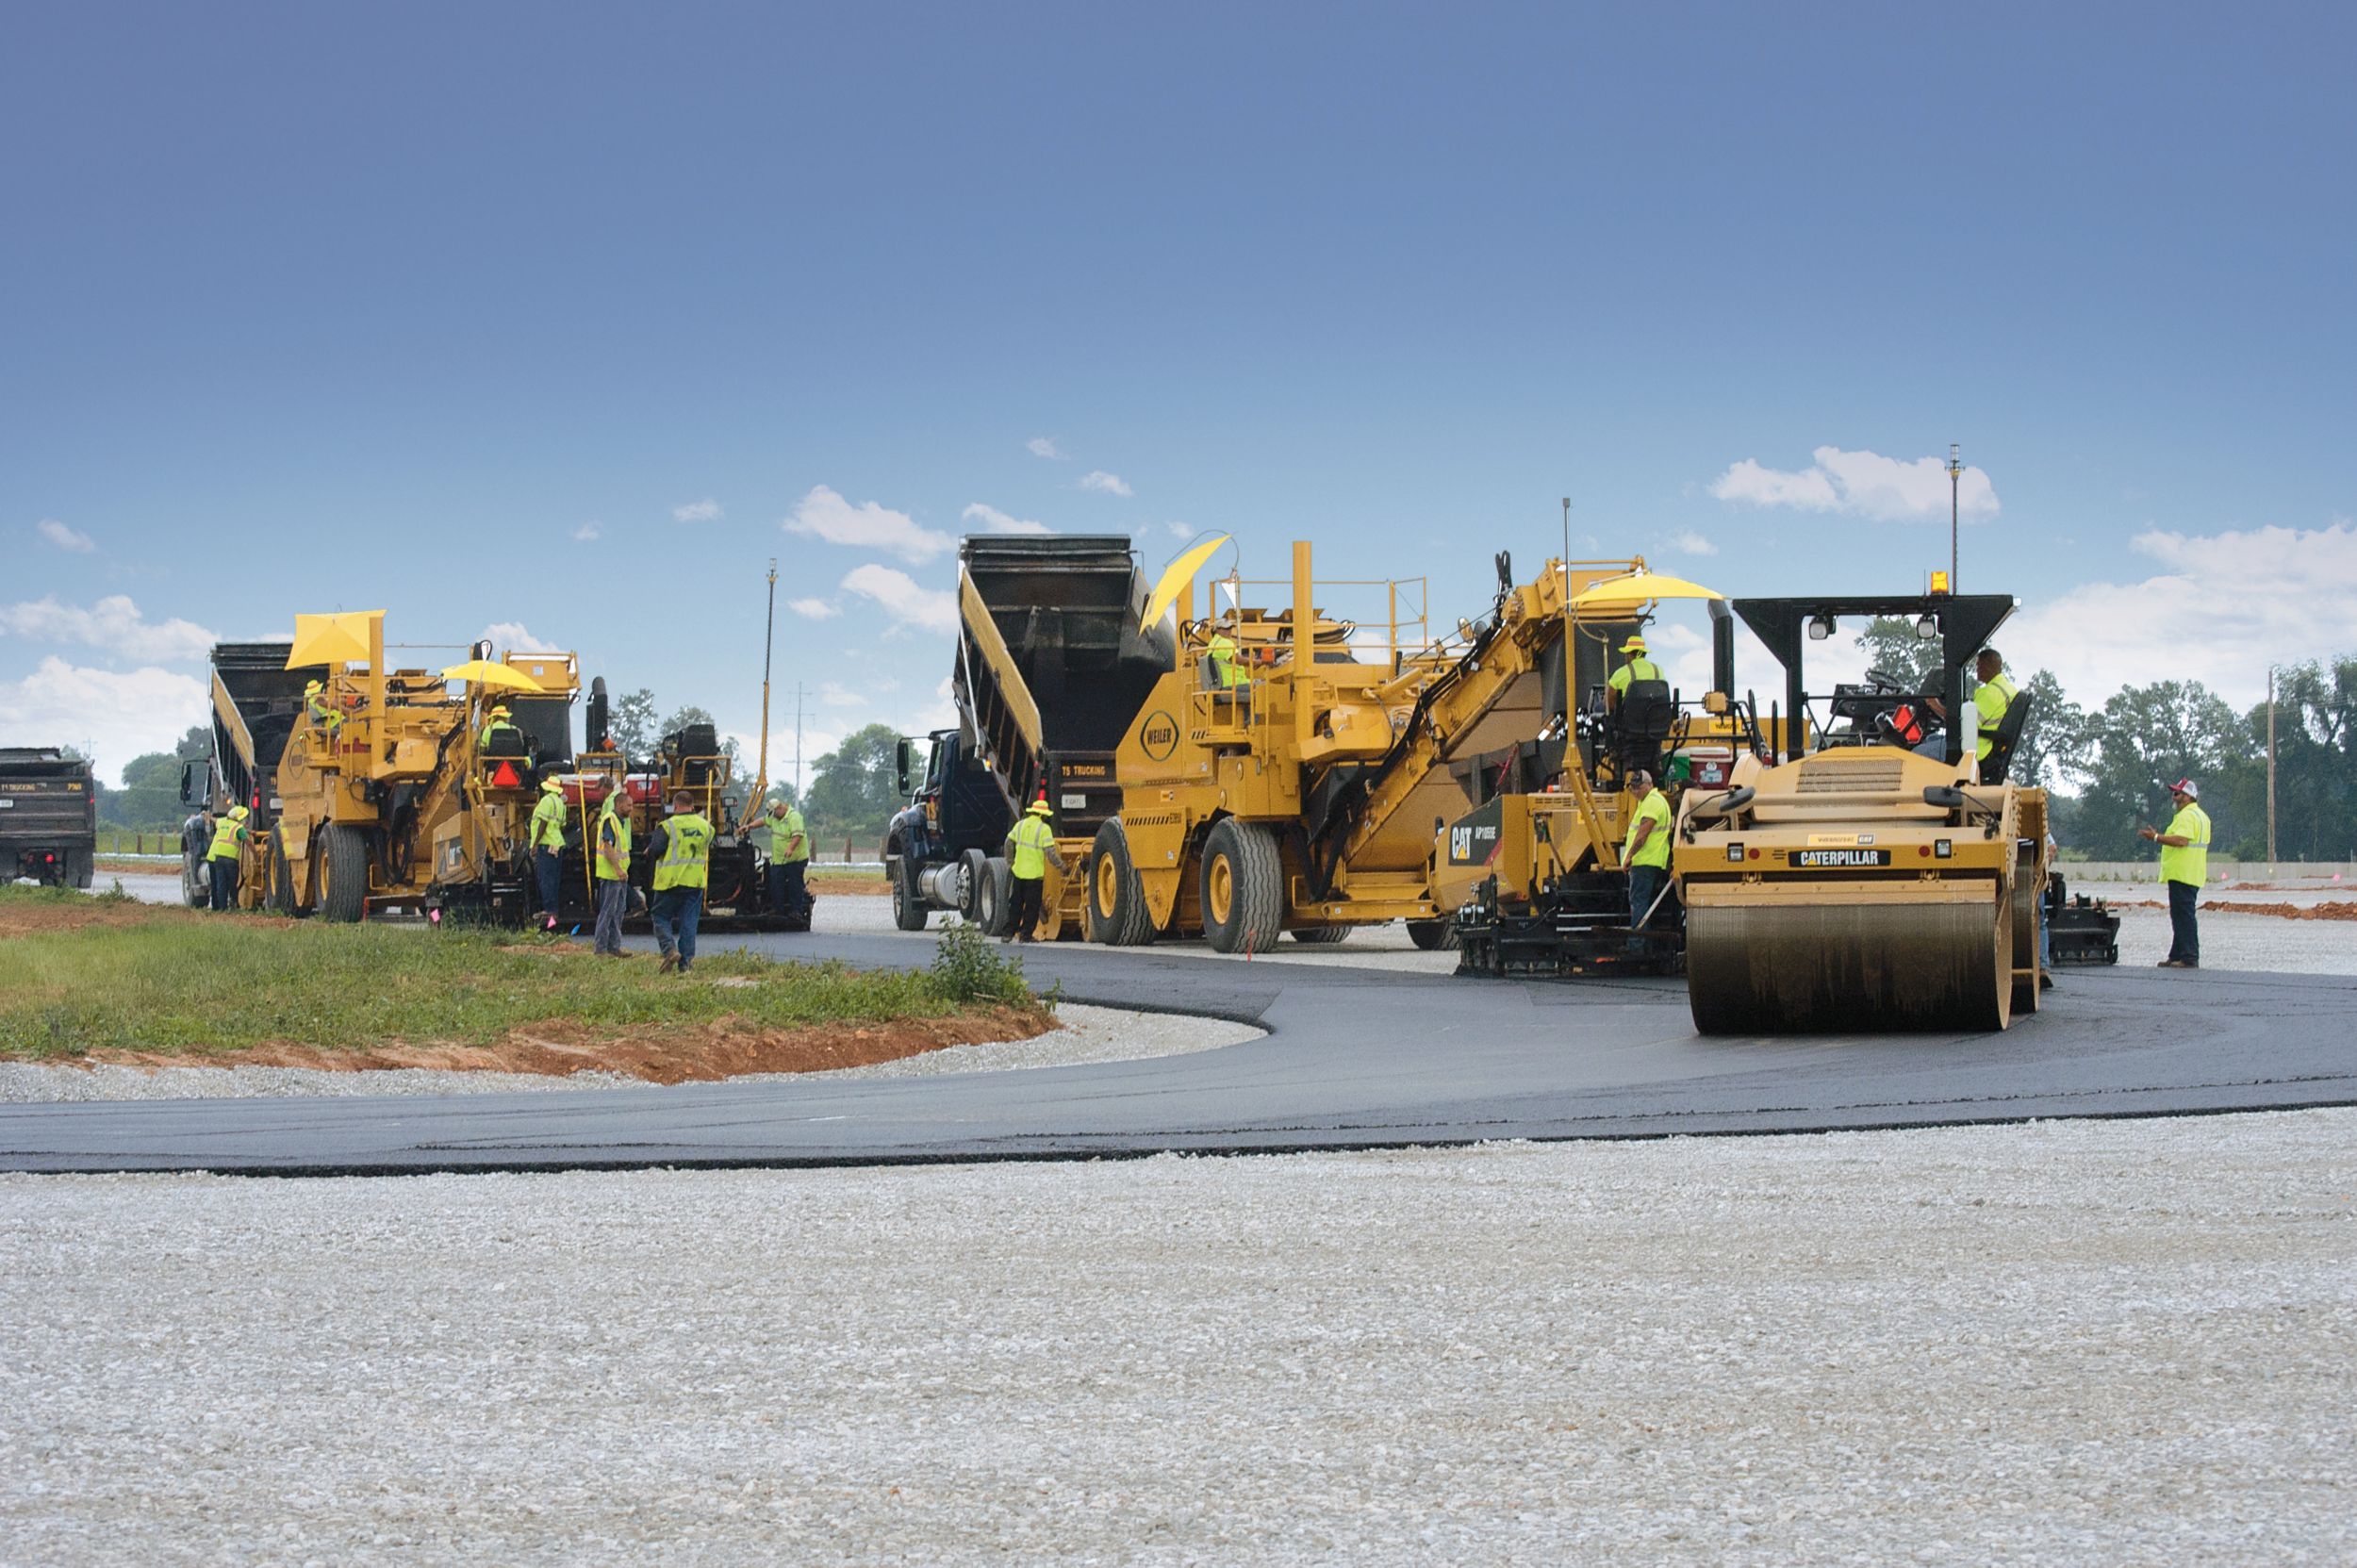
2084, 1342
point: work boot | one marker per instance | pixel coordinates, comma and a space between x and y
670, 962
683, 968
2044, 980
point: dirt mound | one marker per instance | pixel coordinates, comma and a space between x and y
727, 1048
2340, 911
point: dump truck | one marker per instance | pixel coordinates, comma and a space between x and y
1855, 884
48, 817
386, 792
1053, 665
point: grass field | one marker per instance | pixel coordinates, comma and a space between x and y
82, 976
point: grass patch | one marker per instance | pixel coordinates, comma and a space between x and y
145, 977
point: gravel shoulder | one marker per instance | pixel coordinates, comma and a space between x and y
2060, 1342
1086, 1035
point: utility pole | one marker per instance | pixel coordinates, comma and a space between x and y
797, 744
1955, 472
2270, 767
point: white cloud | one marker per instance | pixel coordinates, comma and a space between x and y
706, 510
1180, 529
113, 623
2223, 608
898, 594
1045, 446
70, 540
1688, 542
996, 521
1105, 484
1860, 484
833, 695
588, 532
816, 609
510, 636
825, 515
118, 714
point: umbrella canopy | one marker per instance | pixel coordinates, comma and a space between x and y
1643, 585
341, 639
1175, 580
494, 677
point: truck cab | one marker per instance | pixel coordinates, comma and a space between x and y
937, 848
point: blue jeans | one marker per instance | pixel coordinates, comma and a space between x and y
1644, 886
613, 905
675, 911
222, 883
2185, 934
549, 872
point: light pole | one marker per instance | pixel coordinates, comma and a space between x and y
1955, 471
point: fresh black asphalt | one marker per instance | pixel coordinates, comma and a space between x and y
1356, 1056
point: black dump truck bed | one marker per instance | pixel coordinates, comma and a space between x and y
48, 816
257, 704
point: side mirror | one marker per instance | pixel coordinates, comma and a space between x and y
904, 763
1946, 797
187, 784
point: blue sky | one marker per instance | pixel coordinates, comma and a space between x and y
468, 311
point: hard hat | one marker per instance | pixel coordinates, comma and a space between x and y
310, 686
1041, 808
779, 808
2186, 788
238, 813
1634, 645
498, 711
551, 787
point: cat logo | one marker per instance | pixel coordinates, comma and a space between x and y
1461, 843
1159, 735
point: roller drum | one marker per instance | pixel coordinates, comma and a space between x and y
1823, 968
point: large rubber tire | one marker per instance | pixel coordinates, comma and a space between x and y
974, 868
344, 868
281, 899
989, 898
1432, 935
1243, 887
1320, 937
196, 877
1115, 901
80, 866
908, 908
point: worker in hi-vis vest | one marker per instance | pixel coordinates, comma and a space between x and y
2184, 868
1991, 698
548, 850
1226, 673
683, 864
1635, 667
1031, 849
220, 858
1645, 852
785, 839
611, 851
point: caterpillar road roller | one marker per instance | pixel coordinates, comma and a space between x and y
1850, 882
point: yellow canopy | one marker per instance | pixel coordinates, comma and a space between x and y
1181, 573
341, 639
494, 677
1641, 586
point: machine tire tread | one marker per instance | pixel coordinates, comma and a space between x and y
346, 864
908, 909
1129, 923
1256, 916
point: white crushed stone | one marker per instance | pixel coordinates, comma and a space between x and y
2071, 1342
1086, 1035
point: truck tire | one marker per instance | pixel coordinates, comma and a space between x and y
908, 907
1432, 935
1243, 887
80, 864
196, 881
974, 870
1115, 901
989, 898
344, 899
1321, 936
281, 899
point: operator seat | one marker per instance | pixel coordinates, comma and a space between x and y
2000, 746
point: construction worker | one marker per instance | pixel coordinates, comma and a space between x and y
1645, 852
548, 850
1031, 844
500, 735
787, 844
1226, 672
2184, 868
321, 712
221, 860
1635, 666
1995, 694
683, 865
612, 873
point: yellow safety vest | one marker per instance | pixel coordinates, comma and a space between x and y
797, 847
2001, 684
686, 854
1222, 651
610, 820
1638, 668
1654, 808
548, 822
1032, 838
225, 836
2192, 862
325, 716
